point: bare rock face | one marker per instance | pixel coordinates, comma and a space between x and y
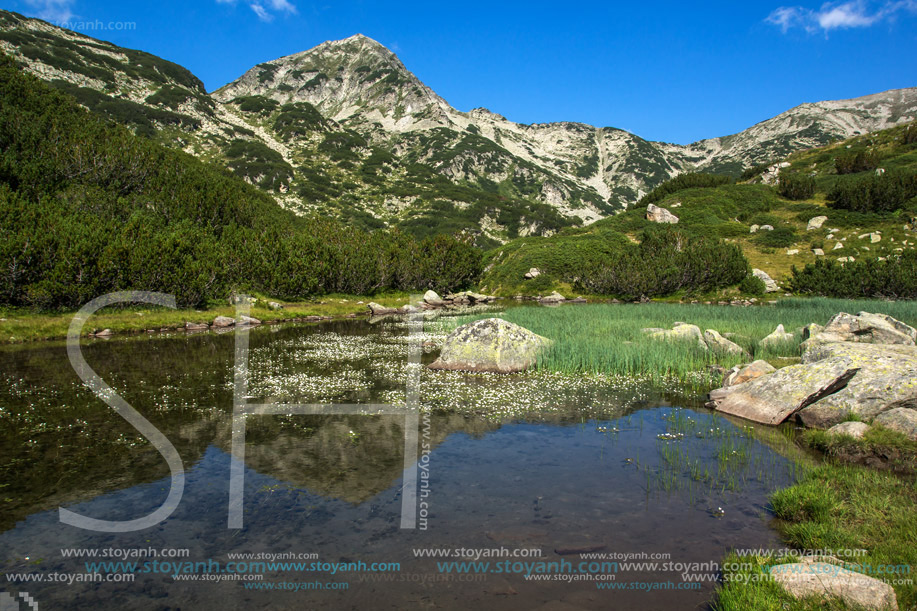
865, 328
851, 429
660, 215
769, 285
803, 579
741, 374
532, 273
771, 399
490, 345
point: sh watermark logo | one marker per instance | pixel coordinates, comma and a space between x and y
242, 408
17, 602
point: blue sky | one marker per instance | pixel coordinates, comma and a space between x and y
676, 72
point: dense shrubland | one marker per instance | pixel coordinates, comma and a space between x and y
894, 278
87, 207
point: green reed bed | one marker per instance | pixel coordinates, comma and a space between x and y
609, 338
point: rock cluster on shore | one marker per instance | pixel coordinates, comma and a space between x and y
861, 366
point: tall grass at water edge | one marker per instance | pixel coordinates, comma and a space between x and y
609, 338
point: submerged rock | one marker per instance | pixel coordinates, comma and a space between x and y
490, 345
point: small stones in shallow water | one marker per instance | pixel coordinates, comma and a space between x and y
719, 512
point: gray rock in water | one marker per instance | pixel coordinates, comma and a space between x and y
901, 419
887, 378
554, 297
721, 345
221, 322
432, 298
851, 429
196, 326
822, 579
660, 215
741, 374
771, 399
379, 310
248, 320
490, 345
769, 285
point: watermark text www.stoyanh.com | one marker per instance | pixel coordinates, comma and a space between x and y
98, 26
242, 409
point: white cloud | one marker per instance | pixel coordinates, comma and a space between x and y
55, 11
838, 15
265, 9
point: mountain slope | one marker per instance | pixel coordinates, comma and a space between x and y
347, 130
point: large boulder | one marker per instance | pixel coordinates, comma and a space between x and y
660, 215
769, 285
380, 310
866, 328
221, 322
721, 345
886, 379
490, 345
682, 332
432, 298
827, 580
901, 419
533, 272
771, 399
554, 297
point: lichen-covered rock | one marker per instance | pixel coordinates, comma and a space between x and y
769, 285
682, 332
490, 345
721, 345
865, 327
823, 579
741, 374
771, 399
656, 214
886, 379
851, 429
811, 330
901, 419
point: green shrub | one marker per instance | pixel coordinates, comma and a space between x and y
885, 193
778, 238
856, 161
690, 180
752, 285
895, 278
796, 186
